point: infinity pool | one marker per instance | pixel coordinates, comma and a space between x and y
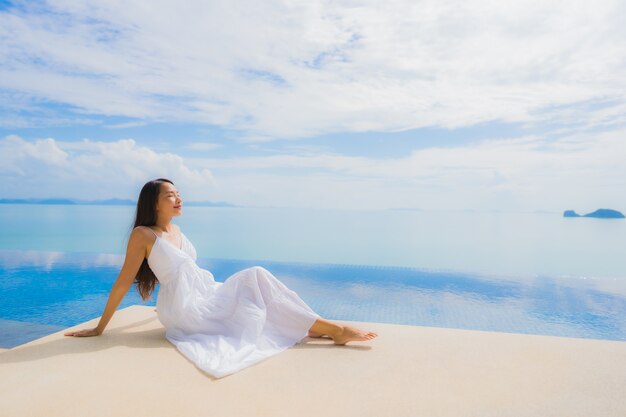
45, 292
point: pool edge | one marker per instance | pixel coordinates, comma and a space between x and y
409, 370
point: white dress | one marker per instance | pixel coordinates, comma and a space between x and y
224, 327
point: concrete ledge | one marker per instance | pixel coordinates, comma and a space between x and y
131, 370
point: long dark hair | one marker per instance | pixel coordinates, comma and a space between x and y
146, 215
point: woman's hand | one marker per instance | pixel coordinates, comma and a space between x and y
84, 333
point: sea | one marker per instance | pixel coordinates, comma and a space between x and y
504, 243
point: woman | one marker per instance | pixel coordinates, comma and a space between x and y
221, 327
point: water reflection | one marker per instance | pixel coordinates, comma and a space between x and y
47, 291
14, 259
559, 306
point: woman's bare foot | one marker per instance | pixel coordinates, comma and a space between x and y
351, 334
315, 334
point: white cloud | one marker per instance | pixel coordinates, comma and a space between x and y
202, 146
89, 169
583, 172
284, 69
125, 125
43, 151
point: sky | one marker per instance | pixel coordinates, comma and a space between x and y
433, 105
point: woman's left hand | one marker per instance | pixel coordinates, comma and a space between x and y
84, 333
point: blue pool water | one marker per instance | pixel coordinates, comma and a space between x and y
43, 292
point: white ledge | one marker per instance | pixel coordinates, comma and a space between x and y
132, 370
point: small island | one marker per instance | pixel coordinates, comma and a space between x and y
598, 214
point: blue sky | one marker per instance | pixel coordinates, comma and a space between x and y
422, 104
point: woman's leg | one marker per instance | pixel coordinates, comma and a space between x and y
339, 333
265, 282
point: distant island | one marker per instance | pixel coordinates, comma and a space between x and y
108, 202
599, 214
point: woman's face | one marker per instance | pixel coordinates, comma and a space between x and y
169, 202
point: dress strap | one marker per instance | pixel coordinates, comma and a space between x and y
151, 231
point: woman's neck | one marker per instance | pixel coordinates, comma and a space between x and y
165, 225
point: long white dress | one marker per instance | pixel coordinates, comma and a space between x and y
224, 327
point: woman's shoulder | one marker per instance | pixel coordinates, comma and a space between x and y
143, 233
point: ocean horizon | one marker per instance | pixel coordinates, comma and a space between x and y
483, 242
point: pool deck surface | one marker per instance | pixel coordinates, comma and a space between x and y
132, 370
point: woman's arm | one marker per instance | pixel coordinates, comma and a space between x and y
135, 254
